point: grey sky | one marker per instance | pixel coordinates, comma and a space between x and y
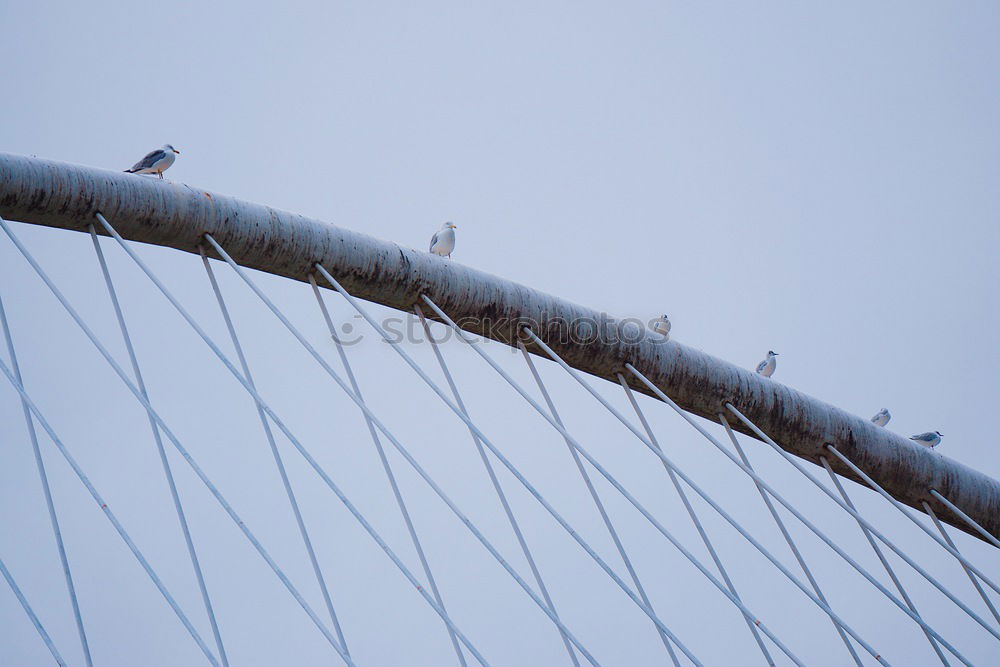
816, 180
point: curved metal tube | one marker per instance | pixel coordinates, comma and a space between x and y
176, 215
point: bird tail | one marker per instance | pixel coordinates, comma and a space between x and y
129, 171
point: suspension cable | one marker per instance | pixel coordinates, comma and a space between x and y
295, 442
692, 514
276, 455
788, 537
493, 478
874, 531
510, 466
164, 462
109, 514
614, 482
972, 578
407, 519
902, 508
598, 502
130, 385
31, 615
395, 442
656, 390
725, 515
881, 556
966, 518
47, 493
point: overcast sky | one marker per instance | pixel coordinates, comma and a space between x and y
816, 180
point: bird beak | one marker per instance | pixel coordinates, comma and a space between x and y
177, 151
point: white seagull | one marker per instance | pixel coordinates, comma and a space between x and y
929, 439
766, 367
881, 418
155, 162
662, 326
443, 241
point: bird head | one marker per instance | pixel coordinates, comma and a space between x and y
168, 147
450, 225
772, 353
940, 434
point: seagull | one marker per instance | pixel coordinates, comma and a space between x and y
766, 367
881, 418
443, 241
155, 162
930, 439
662, 326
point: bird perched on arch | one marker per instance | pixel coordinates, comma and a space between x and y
881, 417
766, 367
443, 241
155, 162
661, 326
930, 439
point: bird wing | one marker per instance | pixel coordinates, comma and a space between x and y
761, 366
151, 158
434, 239
922, 436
